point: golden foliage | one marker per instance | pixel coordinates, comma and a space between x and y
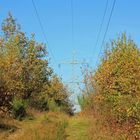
116, 85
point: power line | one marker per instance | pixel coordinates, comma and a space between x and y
72, 22
107, 27
101, 24
42, 28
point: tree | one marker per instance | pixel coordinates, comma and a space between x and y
116, 84
119, 69
54, 97
25, 73
24, 68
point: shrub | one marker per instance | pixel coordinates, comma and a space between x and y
19, 108
52, 105
40, 101
53, 97
84, 101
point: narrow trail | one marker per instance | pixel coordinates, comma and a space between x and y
78, 128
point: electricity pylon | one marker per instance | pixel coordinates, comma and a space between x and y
74, 63
74, 81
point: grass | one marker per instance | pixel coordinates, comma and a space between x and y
46, 126
7, 127
85, 126
56, 126
78, 128
99, 130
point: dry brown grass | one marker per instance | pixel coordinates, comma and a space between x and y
99, 129
51, 126
45, 126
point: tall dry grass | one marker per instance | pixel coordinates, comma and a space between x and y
46, 126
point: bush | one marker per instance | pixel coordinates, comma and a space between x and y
84, 101
40, 101
53, 97
52, 105
19, 108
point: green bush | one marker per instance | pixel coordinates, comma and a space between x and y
19, 108
84, 101
40, 101
52, 105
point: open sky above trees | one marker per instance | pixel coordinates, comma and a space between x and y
56, 17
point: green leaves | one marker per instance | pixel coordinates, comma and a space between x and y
18, 108
10, 27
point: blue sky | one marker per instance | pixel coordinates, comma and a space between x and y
87, 14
